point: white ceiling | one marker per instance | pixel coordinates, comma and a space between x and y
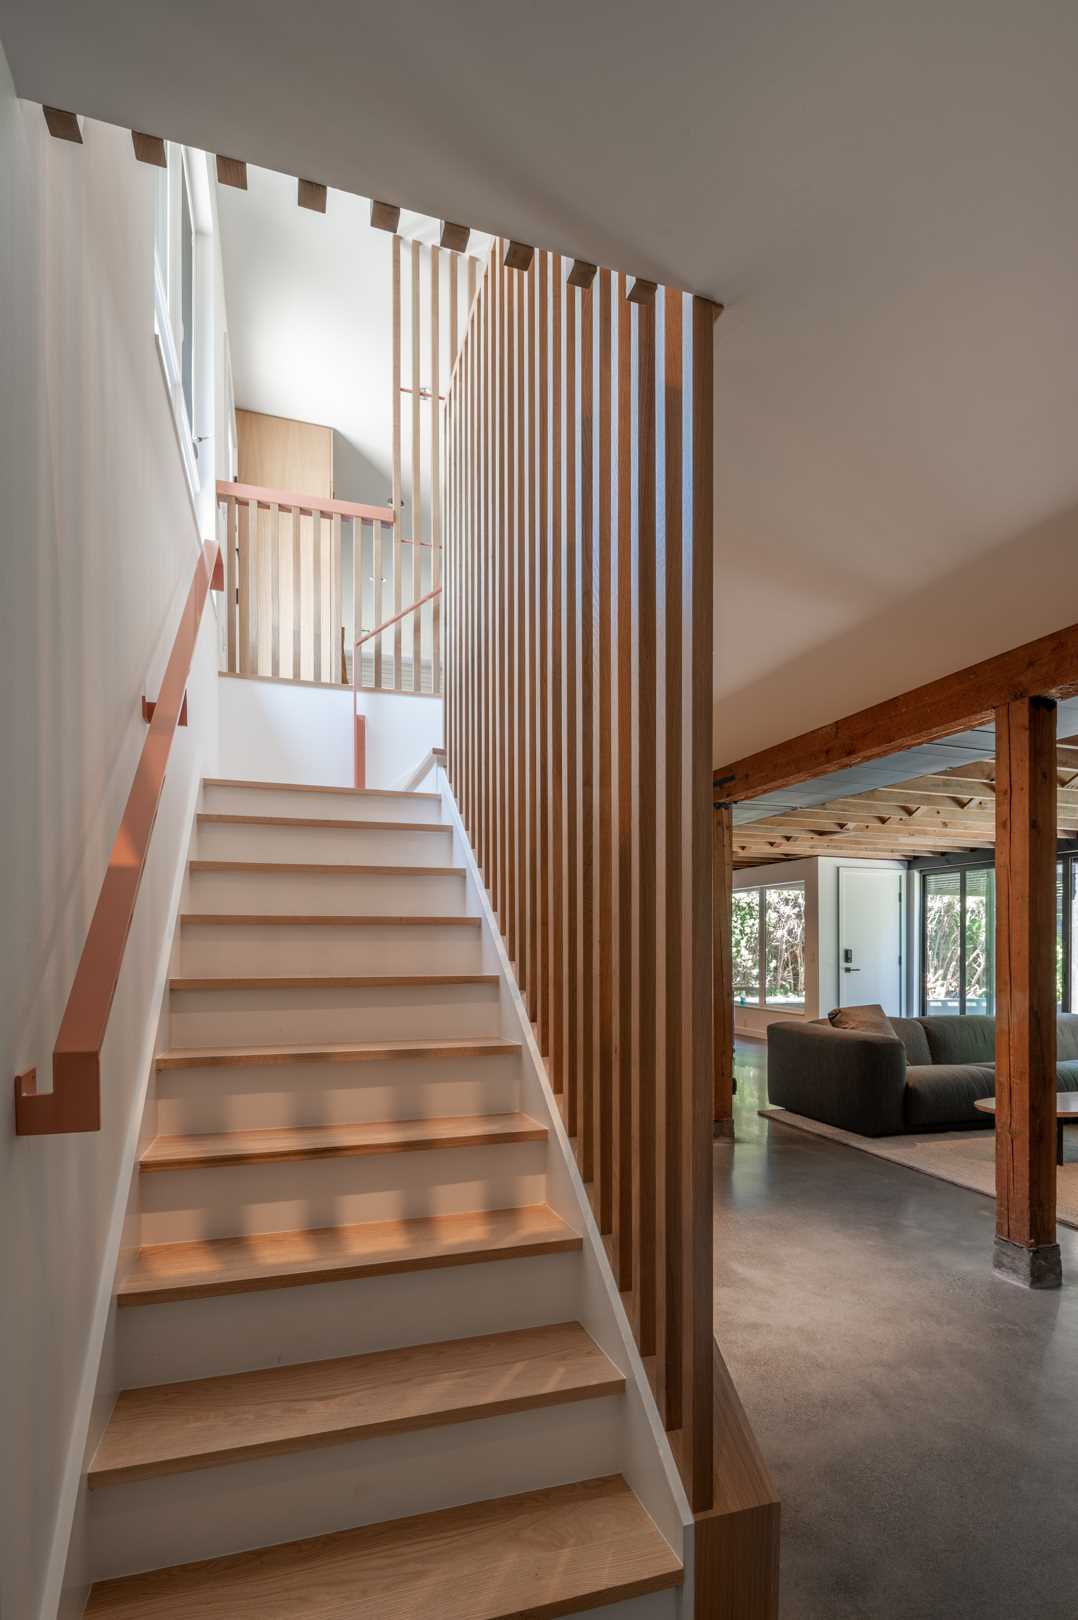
882, 194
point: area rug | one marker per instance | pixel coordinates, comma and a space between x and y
965, 1158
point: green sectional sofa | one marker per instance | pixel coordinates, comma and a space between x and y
927, 1076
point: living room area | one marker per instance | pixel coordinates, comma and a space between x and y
864, 956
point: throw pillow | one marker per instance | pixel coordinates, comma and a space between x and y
871, 1020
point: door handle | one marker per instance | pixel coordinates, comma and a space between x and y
851, 970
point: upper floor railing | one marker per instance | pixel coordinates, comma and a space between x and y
306, 578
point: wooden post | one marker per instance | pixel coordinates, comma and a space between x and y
1026, 1250
722, 877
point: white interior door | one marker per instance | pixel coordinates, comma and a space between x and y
870, 937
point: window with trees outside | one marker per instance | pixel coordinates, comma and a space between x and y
958, 939
769, 946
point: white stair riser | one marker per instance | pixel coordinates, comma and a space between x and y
283, 801
179, 1206
313, 894
248, 948
213, 1511
273, 1327
197, 1101
288, 1017
242, 841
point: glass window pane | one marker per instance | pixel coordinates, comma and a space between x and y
187, 303
746, 946
784, 917
980, 925
942, 893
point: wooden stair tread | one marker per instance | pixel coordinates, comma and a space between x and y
270, 1146
244, 1057
227, 819
328, 981
308, 787
288, 919
176, 1427
325, 868
172, 1271
539, 1554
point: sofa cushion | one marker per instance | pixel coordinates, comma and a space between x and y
1067, 1036
870, 1020
944, 1094
1067, 1075
961, 1040
911, 1033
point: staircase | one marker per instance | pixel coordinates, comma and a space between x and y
355, 1381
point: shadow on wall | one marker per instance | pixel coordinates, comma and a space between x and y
356, 477
1025, 587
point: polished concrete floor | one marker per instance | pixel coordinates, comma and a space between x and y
920, 1416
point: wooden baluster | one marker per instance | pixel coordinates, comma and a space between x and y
335, 609
672, 898
627, 977
512, 647
316, 592
398, 530
557, 783
297, 597
570, 608
230, 583
275, 588
435, 476
697, 1049
520, 638
646, 1259
497, 588
417, 485
377, 600
359, 574
585, 628
542, 757
603, 883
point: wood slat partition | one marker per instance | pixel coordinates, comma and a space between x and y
578, 526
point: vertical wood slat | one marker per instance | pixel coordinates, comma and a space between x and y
1026, 817
585, 721
625, 1083
532, 589
435, 474
545, 781
230, 585
248, 523
602, 902
395, 541
275, 588
414, 622
557, 711
669, 575
316, 593
336, 611
570, 608
510, 617
358, 550
297, 596
378, 609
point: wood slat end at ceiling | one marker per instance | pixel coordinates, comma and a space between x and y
232, 172
149, 149
385, 216
63, 126
455, 237
311, 194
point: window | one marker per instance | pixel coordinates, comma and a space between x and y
769, 946
176, 298
958, 938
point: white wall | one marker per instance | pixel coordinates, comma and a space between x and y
100, 546
820, 877
280, 731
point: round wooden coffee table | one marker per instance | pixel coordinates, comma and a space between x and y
1066, 1114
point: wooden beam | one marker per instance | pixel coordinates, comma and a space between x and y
518, 256
956, 702
311, 194
455, 238
64, 126
385, 216
722, 884
582, 274
1026, 1249
149, 149
232, 172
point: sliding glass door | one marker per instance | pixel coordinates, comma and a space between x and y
958, 938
